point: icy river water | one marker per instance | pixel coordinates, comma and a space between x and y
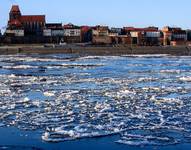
132, 102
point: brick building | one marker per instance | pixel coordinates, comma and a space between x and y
86, 34
24, 25
174, 36
100, 35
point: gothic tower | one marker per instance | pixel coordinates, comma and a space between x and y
14, 13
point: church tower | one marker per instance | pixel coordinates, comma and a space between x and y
15, 13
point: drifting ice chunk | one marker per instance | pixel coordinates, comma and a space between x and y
48, 94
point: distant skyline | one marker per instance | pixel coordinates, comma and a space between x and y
114, 13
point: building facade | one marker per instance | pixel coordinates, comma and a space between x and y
53, 33
149, 36
72, 33
117, 31
100, 35
174, 36
100, 31
86, 34
24, 25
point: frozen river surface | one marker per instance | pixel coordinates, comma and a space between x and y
141, 100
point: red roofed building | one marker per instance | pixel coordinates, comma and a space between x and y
86, 34
31, 24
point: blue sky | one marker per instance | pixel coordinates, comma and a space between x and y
118, 13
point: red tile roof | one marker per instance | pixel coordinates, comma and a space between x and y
33, 18
85, 28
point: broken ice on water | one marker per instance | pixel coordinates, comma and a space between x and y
144, 99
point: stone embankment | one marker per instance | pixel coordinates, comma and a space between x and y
94, 50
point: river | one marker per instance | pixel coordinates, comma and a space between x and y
63, 101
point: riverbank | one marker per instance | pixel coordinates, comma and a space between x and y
95, 50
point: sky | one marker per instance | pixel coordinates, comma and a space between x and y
118, 13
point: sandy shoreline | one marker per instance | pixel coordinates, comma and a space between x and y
95, 50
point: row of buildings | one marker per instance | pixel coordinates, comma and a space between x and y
34, 29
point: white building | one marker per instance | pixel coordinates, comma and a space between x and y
116, 30
47, 32
17, 33
153, 34
72, 32
59, 32
53, 30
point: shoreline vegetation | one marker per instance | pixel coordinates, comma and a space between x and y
95, 50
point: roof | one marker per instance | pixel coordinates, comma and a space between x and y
99, 27
15, 22
85, 28
54, 25
171, 29
148, 29
71, 26
179, 32
15, 8
33, 18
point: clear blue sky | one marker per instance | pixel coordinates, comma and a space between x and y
118, 13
